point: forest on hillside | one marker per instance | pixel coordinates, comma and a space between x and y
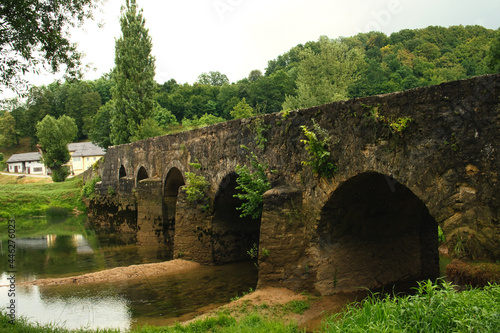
311, 74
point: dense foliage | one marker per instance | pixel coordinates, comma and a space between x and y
133, 76
54, 135
34, 33
433, 308
252, 183
307, 74
317, 144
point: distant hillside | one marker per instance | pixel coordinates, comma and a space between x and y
409, 58
379, 64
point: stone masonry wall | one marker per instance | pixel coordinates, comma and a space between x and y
447, 157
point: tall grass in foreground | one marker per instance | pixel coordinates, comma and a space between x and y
253, 323
434, 308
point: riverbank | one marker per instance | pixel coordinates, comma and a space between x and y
121, 273
434, 308
33, 196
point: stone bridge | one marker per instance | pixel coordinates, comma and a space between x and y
374, 223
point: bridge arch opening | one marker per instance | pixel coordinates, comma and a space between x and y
142, 174
122, 173
375, 232
173, 181
233, 236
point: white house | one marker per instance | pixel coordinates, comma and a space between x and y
83, 155
29, 163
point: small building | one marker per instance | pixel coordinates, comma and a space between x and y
30, 163
83, 155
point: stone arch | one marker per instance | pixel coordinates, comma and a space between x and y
173, 181
232, 235
141, 174
122, 173
374, 232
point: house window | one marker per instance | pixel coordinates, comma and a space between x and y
87, 159
94, 158
37, 169
77, 159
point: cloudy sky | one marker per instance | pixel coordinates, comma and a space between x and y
237, 36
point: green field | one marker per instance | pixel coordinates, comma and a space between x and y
34, 197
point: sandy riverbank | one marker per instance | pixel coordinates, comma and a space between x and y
122, 273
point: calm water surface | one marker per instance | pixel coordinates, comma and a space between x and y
124, 305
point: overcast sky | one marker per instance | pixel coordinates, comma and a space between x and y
237, 36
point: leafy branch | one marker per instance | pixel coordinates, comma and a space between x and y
318, 146
196, 186
252, 184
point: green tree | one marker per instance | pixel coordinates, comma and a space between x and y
242, 110
7, 129
54, 136
267, 94
82, 104
2, 163
164, 118
213, 79
134, 90
493, 59
101, 129
147, 129
254, 75
36, 32
38, 106
325, 76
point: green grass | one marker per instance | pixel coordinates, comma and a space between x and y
223, 323
434, 308
40, 198
297, 306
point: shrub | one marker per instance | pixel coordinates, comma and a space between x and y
196, 186
89, 188
252, 184
318, 145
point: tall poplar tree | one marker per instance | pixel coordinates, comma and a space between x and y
134, 86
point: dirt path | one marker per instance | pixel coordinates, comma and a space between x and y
122, 273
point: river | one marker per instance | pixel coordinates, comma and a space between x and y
123, 305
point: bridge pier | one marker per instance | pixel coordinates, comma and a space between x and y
283, 240
150, 227
192, 239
